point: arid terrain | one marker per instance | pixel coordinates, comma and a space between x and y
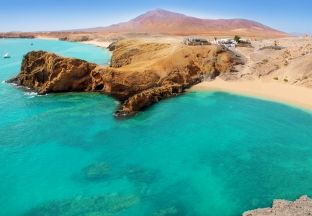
279, 69
287, 60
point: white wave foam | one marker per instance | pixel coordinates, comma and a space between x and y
31, 94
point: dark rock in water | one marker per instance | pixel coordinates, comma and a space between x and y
140, 75
96, 171
90, 206
146, 98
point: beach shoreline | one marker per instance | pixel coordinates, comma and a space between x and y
102, 44
291, 95
46, 38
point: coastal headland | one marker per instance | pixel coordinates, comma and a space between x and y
141, 72
146, 65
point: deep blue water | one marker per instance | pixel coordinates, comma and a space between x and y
199, 154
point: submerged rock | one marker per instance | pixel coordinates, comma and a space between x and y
91, 206
96, 171
140, 175
140, 75
172, 211
300, 207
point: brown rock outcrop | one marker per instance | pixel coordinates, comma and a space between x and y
300, 207
46, 72
140, 74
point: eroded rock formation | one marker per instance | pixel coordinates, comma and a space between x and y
46, 72
300, 207
141, 73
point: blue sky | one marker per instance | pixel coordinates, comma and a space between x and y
41, 15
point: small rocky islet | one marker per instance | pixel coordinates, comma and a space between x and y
140, 74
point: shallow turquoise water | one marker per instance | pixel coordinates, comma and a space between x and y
203, 154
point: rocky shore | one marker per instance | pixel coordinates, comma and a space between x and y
300, 207
141, 73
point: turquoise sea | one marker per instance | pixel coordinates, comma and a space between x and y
199, 154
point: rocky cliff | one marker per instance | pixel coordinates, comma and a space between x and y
300, 207
141, 73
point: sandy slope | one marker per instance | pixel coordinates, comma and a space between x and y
284, 75
291, 64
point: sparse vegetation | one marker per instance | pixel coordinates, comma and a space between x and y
272, 47
237, 38
275, 78
264, 61
285, 80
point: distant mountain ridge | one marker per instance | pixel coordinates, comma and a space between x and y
161, 21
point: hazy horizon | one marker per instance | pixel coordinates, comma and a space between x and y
288, 16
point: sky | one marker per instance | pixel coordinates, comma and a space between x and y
51, 15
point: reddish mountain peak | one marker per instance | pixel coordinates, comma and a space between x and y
162, 21
158, 14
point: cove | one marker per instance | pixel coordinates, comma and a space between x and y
197, 154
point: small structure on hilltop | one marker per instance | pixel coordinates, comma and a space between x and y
193, 41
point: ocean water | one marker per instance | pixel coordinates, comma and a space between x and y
199, 154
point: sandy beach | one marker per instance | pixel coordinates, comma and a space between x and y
46, 38
103, 44
267, 90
